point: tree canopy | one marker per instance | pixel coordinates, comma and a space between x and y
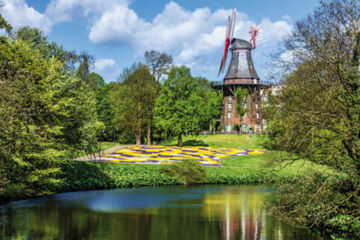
47, 114
132, 100
317, 114
179, 108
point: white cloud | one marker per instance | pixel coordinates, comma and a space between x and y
188, 35
67, 10
107, 68
274, 31
194, 38
18, 14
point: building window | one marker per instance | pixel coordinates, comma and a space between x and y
229, 115
256, 106
244, 80
257, 115
230, 105
230, 81
230, 97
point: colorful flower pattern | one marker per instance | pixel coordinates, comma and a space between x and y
207, 156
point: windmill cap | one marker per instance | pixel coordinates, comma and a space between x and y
240, 44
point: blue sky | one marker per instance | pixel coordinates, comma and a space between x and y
118, 32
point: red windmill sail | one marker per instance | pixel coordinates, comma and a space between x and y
254, 31
230, 25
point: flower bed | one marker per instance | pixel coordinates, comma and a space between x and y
207, 156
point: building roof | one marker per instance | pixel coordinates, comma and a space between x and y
240, 44
241, 64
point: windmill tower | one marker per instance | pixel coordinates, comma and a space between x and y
241, 74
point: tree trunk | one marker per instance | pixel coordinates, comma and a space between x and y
138, 138
210, 127
149, 132
180, 144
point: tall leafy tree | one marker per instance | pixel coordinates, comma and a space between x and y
179, 108
131, 100
241, 97
37, 39
317, 115
213, 102
32, 114
45, 113
159, 64
104, 109
4, 24
98, 80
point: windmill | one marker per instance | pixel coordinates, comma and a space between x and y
241, 73
230, 26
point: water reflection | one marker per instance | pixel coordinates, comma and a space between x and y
211, 212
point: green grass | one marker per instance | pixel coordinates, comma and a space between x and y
238, 165
250, 169
270, 162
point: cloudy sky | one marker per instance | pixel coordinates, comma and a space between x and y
118, 32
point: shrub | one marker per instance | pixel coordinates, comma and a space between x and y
344, 227
186, 171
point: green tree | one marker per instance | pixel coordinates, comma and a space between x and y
317, 114
97, 79
241, 97
179, 108
5, 25
31, 118
159, 64
37, 39
131, 100
104, 109
213, 102
46, 113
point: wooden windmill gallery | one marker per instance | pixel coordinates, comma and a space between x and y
241, 74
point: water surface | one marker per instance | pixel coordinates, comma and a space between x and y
202, 212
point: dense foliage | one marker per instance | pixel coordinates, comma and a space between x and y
317, 114
132, 101
104, 110
179, 108
241, 96
47, 113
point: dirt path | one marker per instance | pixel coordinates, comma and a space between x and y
94, 156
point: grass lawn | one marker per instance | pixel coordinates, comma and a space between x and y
251, 163
248, 169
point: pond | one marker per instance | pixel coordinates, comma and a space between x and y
201, 212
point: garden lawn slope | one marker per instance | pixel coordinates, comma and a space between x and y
250, 169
